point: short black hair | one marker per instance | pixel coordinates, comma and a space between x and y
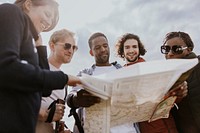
93, 36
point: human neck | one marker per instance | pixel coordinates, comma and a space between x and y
132, 62
53, 62
139, 59
103, 64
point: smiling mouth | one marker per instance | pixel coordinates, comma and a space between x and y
105, 55
132, 54
43, 26
68, 55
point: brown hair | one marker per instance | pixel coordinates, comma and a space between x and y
53, 3
122, 40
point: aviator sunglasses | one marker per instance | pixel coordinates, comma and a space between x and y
176, 49
67, 46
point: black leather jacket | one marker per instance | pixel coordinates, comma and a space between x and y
187, 117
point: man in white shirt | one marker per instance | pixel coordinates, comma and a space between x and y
62, 45
99, 48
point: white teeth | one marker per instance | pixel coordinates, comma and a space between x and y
43, 26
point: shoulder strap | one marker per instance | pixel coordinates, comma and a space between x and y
77, 120
52, 108
66, 87
117, 65
74, 113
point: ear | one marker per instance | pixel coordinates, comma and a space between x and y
91, 53
27, 5
52, 46
189, 50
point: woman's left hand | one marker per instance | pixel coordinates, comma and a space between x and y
180, 91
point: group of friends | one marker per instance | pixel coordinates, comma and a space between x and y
33, 89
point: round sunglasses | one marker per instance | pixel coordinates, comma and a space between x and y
68, 46
176, 49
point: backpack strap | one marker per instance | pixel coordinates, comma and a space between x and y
52, 108
77, 120
117, 65
62, 102
74, 113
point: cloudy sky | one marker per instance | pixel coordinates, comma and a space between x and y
150, 19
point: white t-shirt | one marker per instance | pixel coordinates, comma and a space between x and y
104, 69
43, 127
46, 101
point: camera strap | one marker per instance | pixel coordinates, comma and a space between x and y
57, 122
52, 108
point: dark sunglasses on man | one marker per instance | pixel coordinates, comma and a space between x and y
176, 49
67, 46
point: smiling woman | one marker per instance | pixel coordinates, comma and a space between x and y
22, 79
48, 10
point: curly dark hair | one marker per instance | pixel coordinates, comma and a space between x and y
122, 40
184, 36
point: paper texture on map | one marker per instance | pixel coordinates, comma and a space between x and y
131, 94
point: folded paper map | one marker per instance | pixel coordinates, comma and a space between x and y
134, 93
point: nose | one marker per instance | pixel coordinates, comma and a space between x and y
169, 55
132, 50
48, 24
70, 50
102, 49
170, 52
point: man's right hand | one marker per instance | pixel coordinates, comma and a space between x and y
85, 99
59, 112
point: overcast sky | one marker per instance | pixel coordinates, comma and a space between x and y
150, 19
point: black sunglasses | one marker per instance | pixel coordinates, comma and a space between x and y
176, 49
67, 46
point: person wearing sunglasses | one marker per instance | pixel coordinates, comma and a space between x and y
22, 79
130, 48
179, 45
67, 46
63, 46
175, 49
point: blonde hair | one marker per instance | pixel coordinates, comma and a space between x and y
60, 35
